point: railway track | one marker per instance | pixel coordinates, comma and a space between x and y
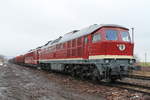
124, 85
145, 75
133, 87
139, 77
142, 75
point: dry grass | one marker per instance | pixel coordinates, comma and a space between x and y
147, 64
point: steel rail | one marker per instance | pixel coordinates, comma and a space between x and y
139, 77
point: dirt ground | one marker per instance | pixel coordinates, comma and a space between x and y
23, 83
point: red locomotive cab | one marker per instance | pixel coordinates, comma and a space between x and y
118, 43
111, 42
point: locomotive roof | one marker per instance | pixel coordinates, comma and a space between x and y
79, 33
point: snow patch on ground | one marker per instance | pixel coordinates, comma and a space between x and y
2, 89
28, 85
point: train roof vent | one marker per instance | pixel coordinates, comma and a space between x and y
57, 40
39, 47
72, 32
48, 43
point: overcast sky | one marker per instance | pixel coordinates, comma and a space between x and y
26, 24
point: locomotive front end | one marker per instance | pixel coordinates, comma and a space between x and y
113, 53
118, 68
120, 49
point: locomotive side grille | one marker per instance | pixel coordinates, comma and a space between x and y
74, 43
79, 51
73, 52
79, 41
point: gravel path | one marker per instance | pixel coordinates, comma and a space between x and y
21, 83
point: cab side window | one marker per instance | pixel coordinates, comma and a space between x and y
125, 36
96, 37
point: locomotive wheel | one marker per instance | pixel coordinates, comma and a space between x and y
66, 69
73, 74
82, 74
82, 77
95, 75
113, 80
94, 79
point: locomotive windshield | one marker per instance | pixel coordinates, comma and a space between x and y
125, 36
111, 34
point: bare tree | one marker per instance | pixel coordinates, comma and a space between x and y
2, 58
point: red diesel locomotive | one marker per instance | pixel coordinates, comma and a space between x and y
96, 52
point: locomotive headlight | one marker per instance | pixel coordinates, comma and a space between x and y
131, 61
107, 61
